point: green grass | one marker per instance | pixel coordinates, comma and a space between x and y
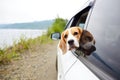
10, 53
6, 55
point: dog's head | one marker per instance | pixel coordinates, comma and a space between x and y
70, 39
87, 43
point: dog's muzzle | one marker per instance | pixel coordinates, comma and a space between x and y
88, 51
71, 44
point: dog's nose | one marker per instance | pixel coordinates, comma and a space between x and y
93, 48
70, 42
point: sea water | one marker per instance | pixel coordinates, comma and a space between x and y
9, 36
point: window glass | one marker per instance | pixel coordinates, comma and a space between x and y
69, 23
81, 21
80, 18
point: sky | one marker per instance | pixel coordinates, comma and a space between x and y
18, 11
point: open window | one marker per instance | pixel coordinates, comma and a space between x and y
79, 19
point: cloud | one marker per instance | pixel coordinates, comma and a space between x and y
13, 11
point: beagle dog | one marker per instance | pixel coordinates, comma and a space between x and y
87, 43
70, 39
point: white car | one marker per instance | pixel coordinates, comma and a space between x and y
102, 19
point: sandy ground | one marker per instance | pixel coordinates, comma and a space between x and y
34, 64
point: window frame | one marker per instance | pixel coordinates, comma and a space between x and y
98, 72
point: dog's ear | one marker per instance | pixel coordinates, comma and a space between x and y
62, 44
80, 30
86, 32
87, 39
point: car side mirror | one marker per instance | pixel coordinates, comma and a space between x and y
55, 36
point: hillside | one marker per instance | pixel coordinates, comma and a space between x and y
30, 25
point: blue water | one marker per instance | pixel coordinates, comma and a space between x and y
9, 36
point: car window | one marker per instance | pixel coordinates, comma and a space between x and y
104, 25
79, 19
69, 23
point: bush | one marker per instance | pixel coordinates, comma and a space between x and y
57, 26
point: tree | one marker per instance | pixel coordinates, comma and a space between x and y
58, 26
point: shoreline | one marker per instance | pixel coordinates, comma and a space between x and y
9, 36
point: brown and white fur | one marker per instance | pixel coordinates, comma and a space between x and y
75, 38
87, 43
70, 39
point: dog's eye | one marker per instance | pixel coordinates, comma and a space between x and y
65, 36
88, 38
75, 33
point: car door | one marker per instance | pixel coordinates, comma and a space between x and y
104, 24
69, 66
